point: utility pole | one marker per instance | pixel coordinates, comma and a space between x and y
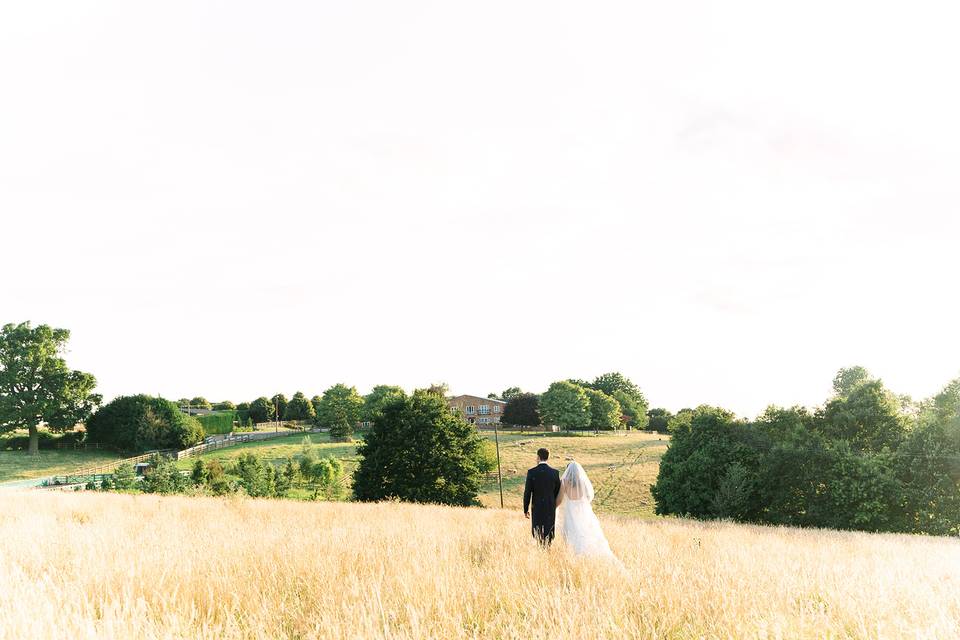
496, 437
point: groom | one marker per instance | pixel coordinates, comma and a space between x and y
543, 485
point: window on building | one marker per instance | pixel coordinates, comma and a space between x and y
484, 409
496, 408
484, 420
470, 408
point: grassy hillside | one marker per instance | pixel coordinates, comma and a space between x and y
94, 565
17, 465
621, 466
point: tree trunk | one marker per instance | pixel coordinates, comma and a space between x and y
34, 448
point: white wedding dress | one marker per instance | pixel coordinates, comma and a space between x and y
581, 528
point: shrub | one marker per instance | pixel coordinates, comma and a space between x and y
256, 477
163, 477
138, 423
124, 478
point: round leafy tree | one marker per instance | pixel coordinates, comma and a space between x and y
139, 423
299, 408
565, 404
605, 411
36, 387
420, 451
262, 410
340, 410
378, 398
522, 410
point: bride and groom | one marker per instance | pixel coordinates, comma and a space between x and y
571, 494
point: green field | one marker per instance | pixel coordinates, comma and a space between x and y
18, 465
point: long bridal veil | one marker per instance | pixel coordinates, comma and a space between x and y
581, 528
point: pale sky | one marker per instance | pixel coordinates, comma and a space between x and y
725, 201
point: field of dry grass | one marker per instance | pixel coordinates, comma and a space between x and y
622, 466
94, 565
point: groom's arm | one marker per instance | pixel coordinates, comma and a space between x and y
527, 493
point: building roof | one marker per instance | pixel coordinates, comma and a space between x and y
452, 398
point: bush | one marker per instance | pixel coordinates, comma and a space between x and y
163, 477
257, 478
139, 423
124, 478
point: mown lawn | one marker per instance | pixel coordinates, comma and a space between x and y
19, 465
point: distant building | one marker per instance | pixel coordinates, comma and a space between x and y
479, 411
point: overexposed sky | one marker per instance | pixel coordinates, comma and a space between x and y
726, 201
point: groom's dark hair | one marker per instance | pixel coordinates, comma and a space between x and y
543, 454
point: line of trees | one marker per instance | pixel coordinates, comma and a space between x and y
610, 401
340, 408
868, 459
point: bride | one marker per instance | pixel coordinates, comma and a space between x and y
581, 529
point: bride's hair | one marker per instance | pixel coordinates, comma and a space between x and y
577, 485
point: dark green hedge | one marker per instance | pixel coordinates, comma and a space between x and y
218, 423
141, 423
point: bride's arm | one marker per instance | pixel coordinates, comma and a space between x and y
559, 496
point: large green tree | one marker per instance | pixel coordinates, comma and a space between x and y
262, 410
635, 412
658, 419
299, 408
138, 423
421, 451
566, 405
848, 379
869, 418
36, 386
510, 393
379, 397
605, 411
611, 383
341, 408
279, 405
200, 403
522, 410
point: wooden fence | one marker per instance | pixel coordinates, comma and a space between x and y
234, 439
85, 474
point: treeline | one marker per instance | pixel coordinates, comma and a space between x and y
340, 408
610, 401
866, 460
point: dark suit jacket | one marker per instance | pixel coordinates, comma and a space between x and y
543, 485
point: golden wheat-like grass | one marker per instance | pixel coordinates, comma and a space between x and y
118, 566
